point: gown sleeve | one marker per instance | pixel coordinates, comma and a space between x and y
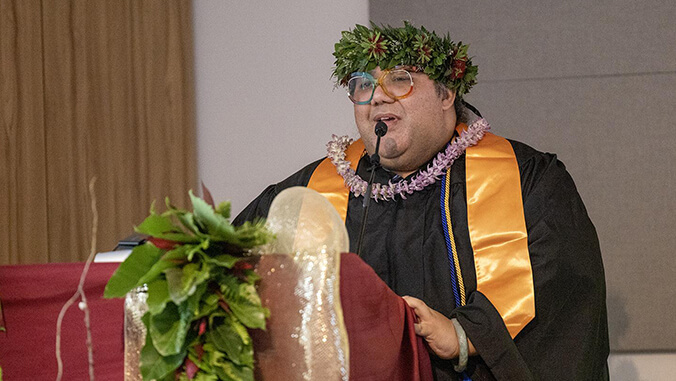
568, 338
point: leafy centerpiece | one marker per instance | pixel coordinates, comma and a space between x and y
201, 292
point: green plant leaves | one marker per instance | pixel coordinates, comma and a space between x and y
215, 362
158, 296
224, 209
244, 302
193, 277
252, 234
132, 270
183, 282
215, 224
231, 372
168, 329
161, 226
233, 339
169, 259
154, 366
224, 260
201, 376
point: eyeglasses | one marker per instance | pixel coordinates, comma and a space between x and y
397, 83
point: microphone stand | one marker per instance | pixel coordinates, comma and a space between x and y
380, 130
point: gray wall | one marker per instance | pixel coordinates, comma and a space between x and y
594, 82
265, 101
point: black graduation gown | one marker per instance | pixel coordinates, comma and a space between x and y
404, 243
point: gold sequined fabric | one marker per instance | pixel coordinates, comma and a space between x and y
306, 337
134, 332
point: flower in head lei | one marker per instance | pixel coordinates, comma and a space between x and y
364, 49
444, 159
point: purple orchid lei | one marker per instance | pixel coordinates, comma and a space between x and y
444, 159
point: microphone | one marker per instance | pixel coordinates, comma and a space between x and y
380, 130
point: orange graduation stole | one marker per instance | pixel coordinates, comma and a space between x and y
495, 218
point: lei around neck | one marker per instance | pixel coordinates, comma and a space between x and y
444, 159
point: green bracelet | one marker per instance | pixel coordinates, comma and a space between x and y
464, 348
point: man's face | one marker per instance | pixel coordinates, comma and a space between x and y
418, 125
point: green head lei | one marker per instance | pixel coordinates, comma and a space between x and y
364, 49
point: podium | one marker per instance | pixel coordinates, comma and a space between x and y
379, 324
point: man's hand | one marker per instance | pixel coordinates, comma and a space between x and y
436, 329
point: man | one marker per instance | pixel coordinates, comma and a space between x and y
487, 239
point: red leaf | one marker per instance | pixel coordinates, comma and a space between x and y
206, 195
203, 327
243, 265
200, 351
190, 369
163, 244
459, 67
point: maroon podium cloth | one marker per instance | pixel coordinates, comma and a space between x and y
32, 296
379, 324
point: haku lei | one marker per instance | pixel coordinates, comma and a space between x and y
444, 159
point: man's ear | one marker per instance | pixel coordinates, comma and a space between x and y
448, 101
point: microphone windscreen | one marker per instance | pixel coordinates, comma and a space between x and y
381, 128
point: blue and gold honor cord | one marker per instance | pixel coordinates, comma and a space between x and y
456, 276
454, 263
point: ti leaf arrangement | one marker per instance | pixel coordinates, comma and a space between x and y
201, 292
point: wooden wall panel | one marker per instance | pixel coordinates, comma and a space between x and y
66, 130
114, 158
161, 87
23, 196
116, 102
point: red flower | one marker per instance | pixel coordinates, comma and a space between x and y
163, 244
459, 67
423, 48
424, 53
376, 45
